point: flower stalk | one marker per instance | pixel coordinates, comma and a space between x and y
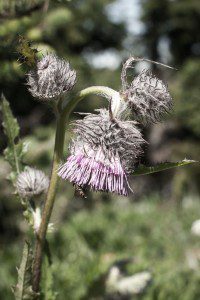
48, 206
96, 90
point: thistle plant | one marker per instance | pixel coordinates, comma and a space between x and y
104, 152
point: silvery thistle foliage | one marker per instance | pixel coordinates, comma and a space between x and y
104, 151
147, 96
51, 78
31, 182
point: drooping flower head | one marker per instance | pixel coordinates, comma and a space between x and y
147, 96
103, 152
51, 78
31, 182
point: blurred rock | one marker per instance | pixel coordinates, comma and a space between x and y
129, 285
193, 258
195, 229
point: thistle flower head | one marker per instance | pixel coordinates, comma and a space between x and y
103, 153
31, 182
51, 78
147, 96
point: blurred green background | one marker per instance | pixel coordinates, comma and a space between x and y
150, 231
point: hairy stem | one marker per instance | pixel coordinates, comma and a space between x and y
62, 118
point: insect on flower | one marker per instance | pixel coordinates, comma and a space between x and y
26, 51
79, 191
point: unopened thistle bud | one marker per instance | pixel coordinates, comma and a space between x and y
147, 96
103, 153
31, 182
51, 78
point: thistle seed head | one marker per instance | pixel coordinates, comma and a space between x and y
104, 151
51, 78
31, 182
147, 96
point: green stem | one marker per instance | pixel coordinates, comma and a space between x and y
63, 116
97, 90
46, 214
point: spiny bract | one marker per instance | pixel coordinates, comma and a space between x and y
51, 78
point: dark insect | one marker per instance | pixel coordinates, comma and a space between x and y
26, 52
79, 191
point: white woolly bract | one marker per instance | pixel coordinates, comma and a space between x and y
31, 182
51, 78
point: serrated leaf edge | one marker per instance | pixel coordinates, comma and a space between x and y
145, 170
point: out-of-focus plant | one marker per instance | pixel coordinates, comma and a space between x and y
188, 104
104, 153
13, 8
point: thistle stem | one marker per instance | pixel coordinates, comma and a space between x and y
103, 91
62, 119
46, 214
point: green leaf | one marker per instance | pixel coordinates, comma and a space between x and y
10, 125
14, 154
11, 130
47, 281
23, 289
16, 149
143, 170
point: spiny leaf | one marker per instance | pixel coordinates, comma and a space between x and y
23, 289
10, 125
11, 156
11, 130
144, 170
16, 149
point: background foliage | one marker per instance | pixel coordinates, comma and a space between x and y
153, 226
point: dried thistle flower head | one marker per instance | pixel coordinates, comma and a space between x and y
147, 96
51, 78
31, 182
103, 153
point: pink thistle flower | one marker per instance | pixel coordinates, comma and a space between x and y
103, 153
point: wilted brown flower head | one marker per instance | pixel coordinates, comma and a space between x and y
51, 78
